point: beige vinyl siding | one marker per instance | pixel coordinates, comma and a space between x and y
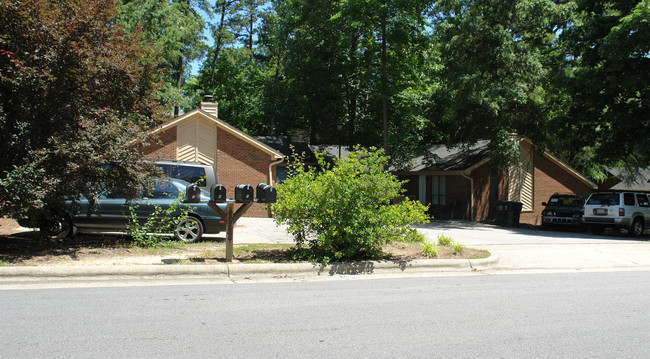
197, 141
520, 178
206, 142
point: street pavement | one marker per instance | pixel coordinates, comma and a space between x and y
512, 250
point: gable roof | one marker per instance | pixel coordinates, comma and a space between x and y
223, 126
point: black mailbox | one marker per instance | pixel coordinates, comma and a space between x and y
218, 193
266, 193
193, 193
243, 193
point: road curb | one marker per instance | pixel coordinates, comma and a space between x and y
248, 270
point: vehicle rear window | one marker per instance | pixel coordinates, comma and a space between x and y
609, 199
186, 173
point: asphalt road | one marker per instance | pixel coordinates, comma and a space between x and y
569, 315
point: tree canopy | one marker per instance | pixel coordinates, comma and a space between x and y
76, 91
570, 75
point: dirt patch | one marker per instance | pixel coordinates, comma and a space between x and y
27, 249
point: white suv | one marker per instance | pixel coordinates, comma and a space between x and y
628, 210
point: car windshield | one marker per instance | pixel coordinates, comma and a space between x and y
190, 174
565, 201
609, 199
160, 189
182, 186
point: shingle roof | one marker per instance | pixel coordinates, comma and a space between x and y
283, 145
640, 183
439, 157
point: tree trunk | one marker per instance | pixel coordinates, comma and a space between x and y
351, 93
384, 79
217, 48
179, 81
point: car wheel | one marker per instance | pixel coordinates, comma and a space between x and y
636, 229
189, 229
55, 226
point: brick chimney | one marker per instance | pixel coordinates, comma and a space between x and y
209, 106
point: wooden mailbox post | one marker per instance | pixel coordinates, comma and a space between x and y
243, 196
230, 217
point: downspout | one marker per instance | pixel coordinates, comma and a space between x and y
271, 169
471, 195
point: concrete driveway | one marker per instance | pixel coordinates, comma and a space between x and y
531, 250
472, 234
478, 234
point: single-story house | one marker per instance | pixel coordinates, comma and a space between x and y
460, 182
199, 135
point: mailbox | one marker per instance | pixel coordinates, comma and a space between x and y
266, 193
244, 193
218, 193
193, 193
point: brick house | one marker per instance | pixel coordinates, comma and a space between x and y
199, 135
460, 183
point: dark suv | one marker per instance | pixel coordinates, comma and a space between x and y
563, 210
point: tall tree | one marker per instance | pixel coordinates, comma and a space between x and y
495, 61
175, 28
345, 63
222, 30
76, 98
607, 78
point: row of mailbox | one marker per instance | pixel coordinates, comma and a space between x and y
244, 193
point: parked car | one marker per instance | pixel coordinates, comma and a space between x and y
109, 212
619, 210
202, 174
563, 210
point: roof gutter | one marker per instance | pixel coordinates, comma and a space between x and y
271, 169
471, 194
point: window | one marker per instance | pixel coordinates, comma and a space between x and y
438, 190
164, 190
190, 174
610, 199
628, 199
642, 199
281, 174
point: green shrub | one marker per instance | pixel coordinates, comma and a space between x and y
343, 211
156, 229
457, 247
430, 250
445, 240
